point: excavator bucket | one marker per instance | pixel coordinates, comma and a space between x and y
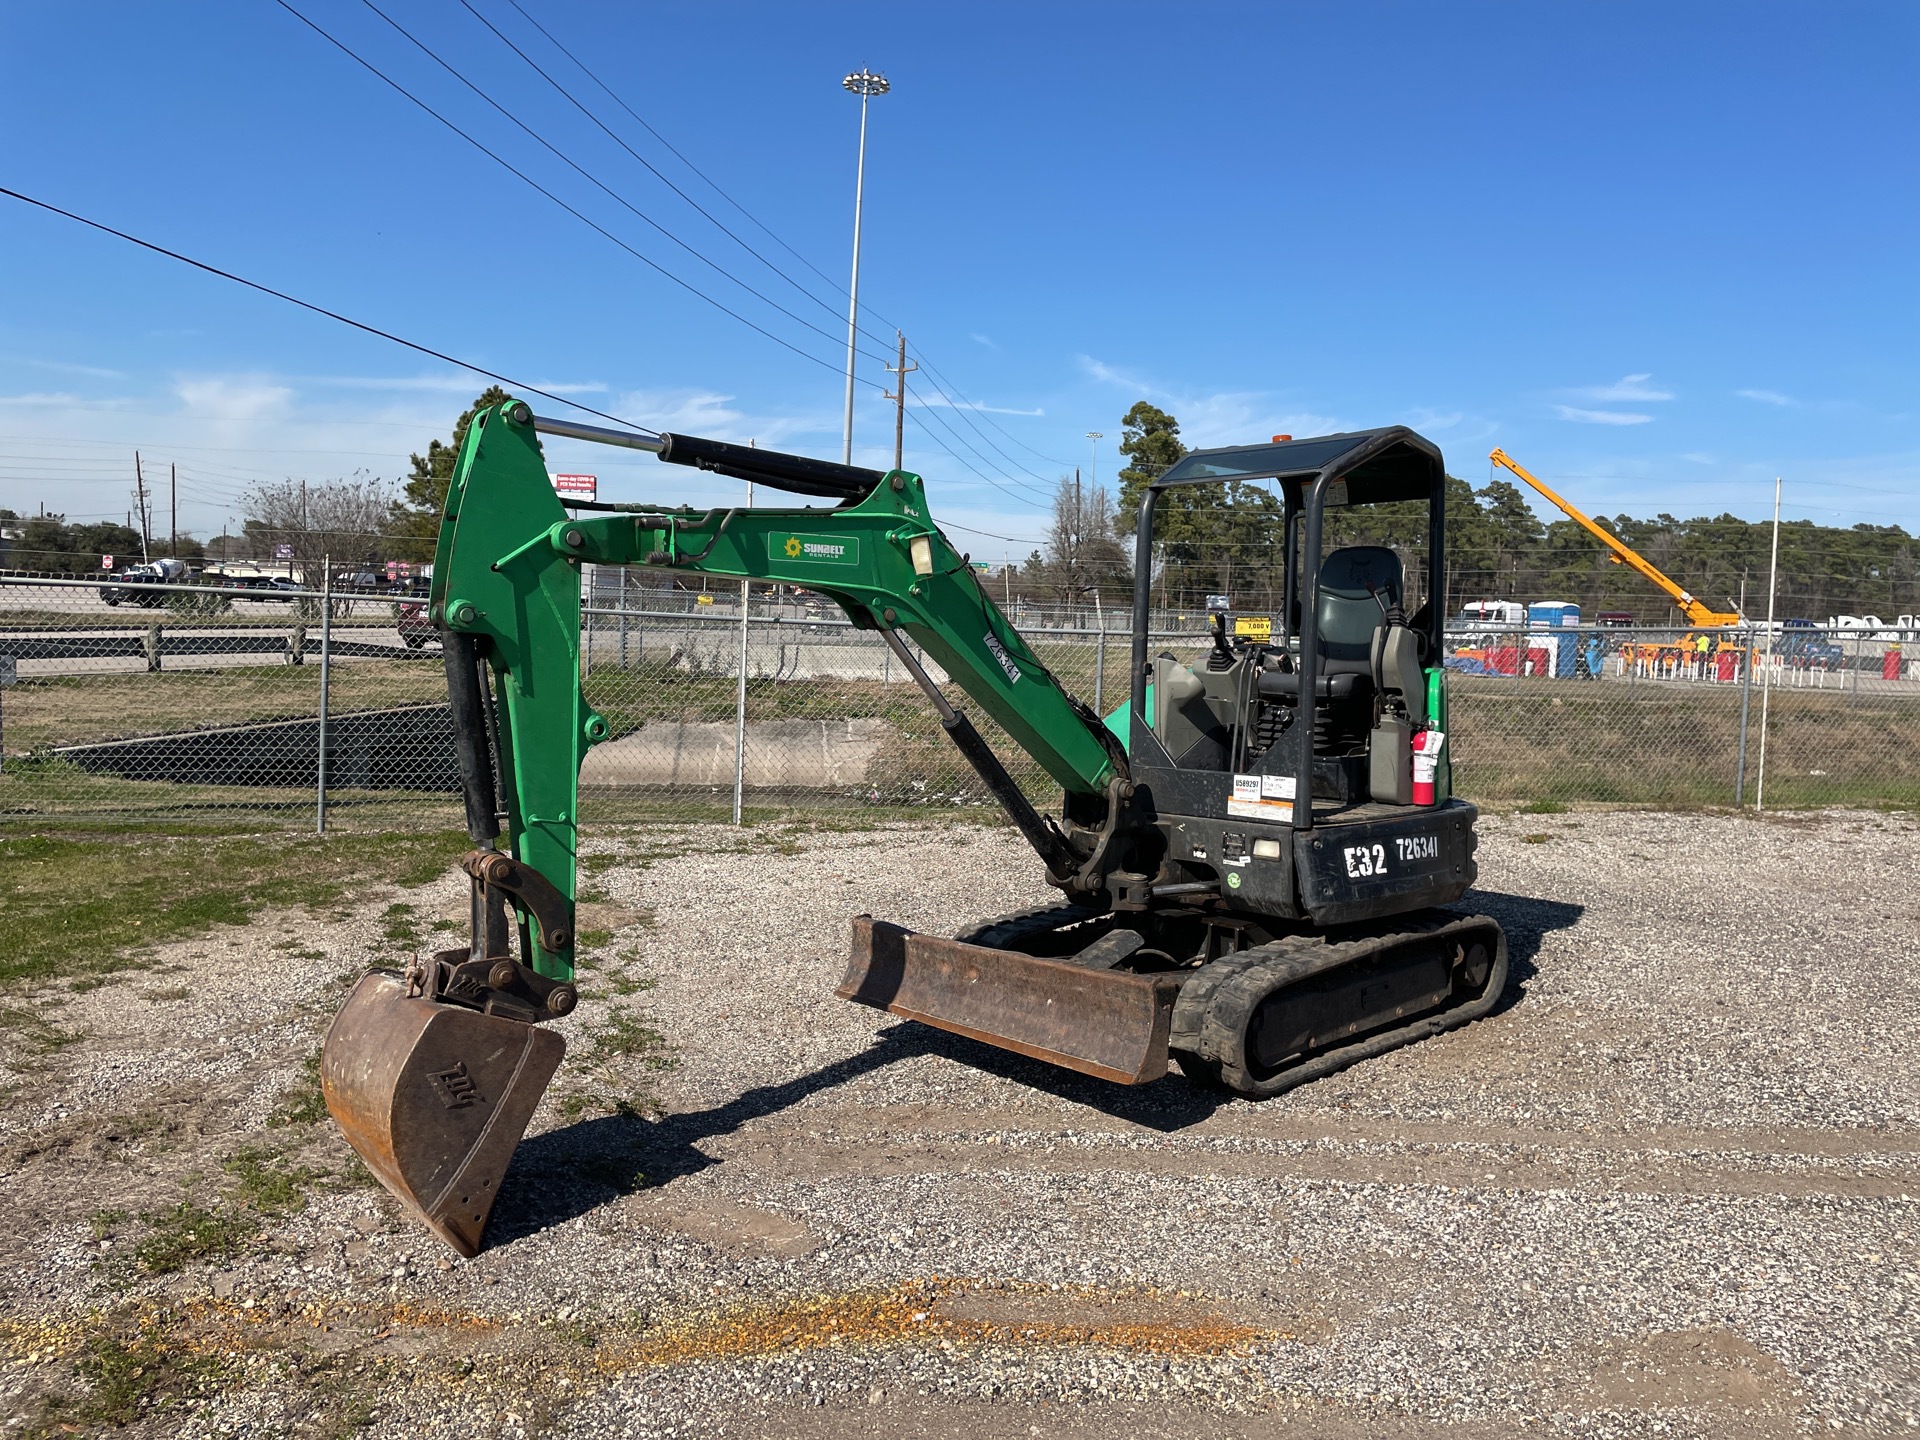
1109, 1023
434, 1097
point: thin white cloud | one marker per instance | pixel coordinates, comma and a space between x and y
66, 367
44, 397
1110, 375
1627, 387
1700, 458
1231, 417
979, 339
1767, 397
941, 402
1601, 417
233, 399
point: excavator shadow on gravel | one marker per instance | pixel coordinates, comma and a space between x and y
1253, 853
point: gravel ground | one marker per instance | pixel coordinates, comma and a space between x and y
1669, 1188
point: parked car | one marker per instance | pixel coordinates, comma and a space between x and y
410, 619
1808, 650
134, 582
1613, 617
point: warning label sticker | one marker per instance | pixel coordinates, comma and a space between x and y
1262, 797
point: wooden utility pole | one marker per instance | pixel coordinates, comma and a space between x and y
173, 502
140, 493
900, 399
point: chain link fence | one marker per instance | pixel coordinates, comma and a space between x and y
249, 708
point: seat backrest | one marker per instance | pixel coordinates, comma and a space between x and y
1348, 610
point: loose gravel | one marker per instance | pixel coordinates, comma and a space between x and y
1670, 1187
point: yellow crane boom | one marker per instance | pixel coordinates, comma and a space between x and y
1623, 554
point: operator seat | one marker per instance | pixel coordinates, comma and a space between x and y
1349, 615
1349, 611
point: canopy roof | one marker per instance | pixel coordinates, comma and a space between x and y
1393, 463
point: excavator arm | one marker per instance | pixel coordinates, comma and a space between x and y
1624, 554
434, 1074
506, 591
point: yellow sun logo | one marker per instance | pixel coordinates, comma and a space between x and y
793, 547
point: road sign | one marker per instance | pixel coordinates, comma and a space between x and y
577, 487
106, 562
283, 552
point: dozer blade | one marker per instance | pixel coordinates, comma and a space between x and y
434, 1098
1109, 1023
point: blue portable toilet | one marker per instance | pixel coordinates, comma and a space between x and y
1552, 614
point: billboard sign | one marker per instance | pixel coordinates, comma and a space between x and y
576, 487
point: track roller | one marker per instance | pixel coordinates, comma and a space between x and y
1279, 1015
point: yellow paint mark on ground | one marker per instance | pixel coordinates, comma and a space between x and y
921, 1313
937, 1312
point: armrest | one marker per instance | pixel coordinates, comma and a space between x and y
1285, 685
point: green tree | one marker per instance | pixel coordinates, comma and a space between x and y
416, 517
48, 544
1220, 538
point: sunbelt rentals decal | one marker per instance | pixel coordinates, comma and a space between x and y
1006, 661
825, 549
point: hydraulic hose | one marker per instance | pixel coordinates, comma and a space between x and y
467, 699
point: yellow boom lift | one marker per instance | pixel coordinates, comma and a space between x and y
1621, 553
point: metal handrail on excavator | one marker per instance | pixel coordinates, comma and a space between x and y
1623, 554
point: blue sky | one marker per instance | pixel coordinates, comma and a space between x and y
1658, 252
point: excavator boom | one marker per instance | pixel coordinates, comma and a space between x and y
1624, 554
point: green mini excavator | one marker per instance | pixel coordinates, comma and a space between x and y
1252, 854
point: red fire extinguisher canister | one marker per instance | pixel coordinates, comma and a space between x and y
1426, 762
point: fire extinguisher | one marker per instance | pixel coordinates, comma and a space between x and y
1426, 762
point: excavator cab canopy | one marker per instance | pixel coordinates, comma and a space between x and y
1378, 466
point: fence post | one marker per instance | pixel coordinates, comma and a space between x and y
326, 675
623, 617
1746, 701
1099, 654
740, 710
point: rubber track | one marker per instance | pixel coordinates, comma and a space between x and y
1211, 1016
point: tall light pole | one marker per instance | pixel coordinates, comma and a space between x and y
1093, 468
864, 83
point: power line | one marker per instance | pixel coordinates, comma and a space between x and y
427, 50
955, 406
710, 181
964, 404
1010, 493
984, 414
652, 169
512, 169
319, 309
581, 170
1010, 539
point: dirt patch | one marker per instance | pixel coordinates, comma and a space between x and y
731, 1228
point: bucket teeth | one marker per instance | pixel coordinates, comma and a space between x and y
434, 1098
